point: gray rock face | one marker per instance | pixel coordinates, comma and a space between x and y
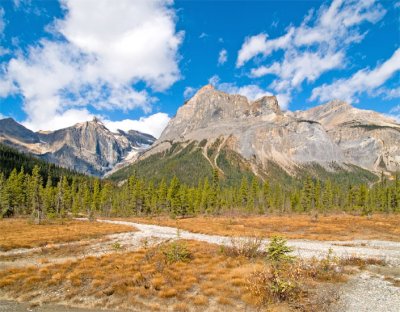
87, 147
10, 128
261, 132
367, 139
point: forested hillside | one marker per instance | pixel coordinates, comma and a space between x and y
24, 193
11, 159
194, 161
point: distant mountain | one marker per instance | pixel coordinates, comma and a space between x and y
236, 136
87, 147
11, 158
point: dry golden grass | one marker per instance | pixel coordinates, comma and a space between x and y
20, 233
147, 279
144, 276
333, 227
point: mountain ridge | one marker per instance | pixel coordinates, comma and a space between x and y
88, 147
335, 136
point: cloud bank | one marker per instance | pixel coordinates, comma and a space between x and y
318, 45
99, 53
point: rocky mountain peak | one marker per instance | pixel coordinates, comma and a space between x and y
206, 88
88, 147
209, 106
266, 105
13, 131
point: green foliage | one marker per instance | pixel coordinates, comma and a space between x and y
153, 188
186, 163
176, 251
11, 159
278, 251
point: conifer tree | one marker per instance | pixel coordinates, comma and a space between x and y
162, 196
244, 192
173, 196
35, 191
49, 199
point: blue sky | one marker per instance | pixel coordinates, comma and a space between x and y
133, 63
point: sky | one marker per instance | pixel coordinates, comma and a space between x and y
133, 63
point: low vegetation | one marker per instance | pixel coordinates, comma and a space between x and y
199, 274
21, 233
294, 226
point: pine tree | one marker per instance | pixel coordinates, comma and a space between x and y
49, 199
162, 196
253, 196
266, 197
244, 192
106, 199
213, 196
327, 196
35, 190
307, 198
173, 196
5, 207
317, 196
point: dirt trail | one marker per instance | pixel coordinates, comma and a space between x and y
385, 250
368, 291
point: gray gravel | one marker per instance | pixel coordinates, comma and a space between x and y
387, 251
367, 292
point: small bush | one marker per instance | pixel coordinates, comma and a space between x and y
177, 251
116, 246
278, 251
245, 247
274, 284
362, 262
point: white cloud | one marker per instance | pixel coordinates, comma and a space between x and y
100, 50
260, 45
314, 47
251, 47
189, 92
386, 93
203, 35
251, 91
59, 120
214, 80
222, 57
294, 70
394, 113
154, 124
364, 80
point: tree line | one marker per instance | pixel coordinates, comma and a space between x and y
24, 193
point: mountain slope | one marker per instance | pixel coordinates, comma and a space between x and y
87, 147
11, 158
366, 138
218, 130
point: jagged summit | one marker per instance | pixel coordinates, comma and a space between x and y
210, 107
266, 104
88, 147
13, 131
332, 133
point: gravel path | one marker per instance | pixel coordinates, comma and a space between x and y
14, 306
368, 291
387, 251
